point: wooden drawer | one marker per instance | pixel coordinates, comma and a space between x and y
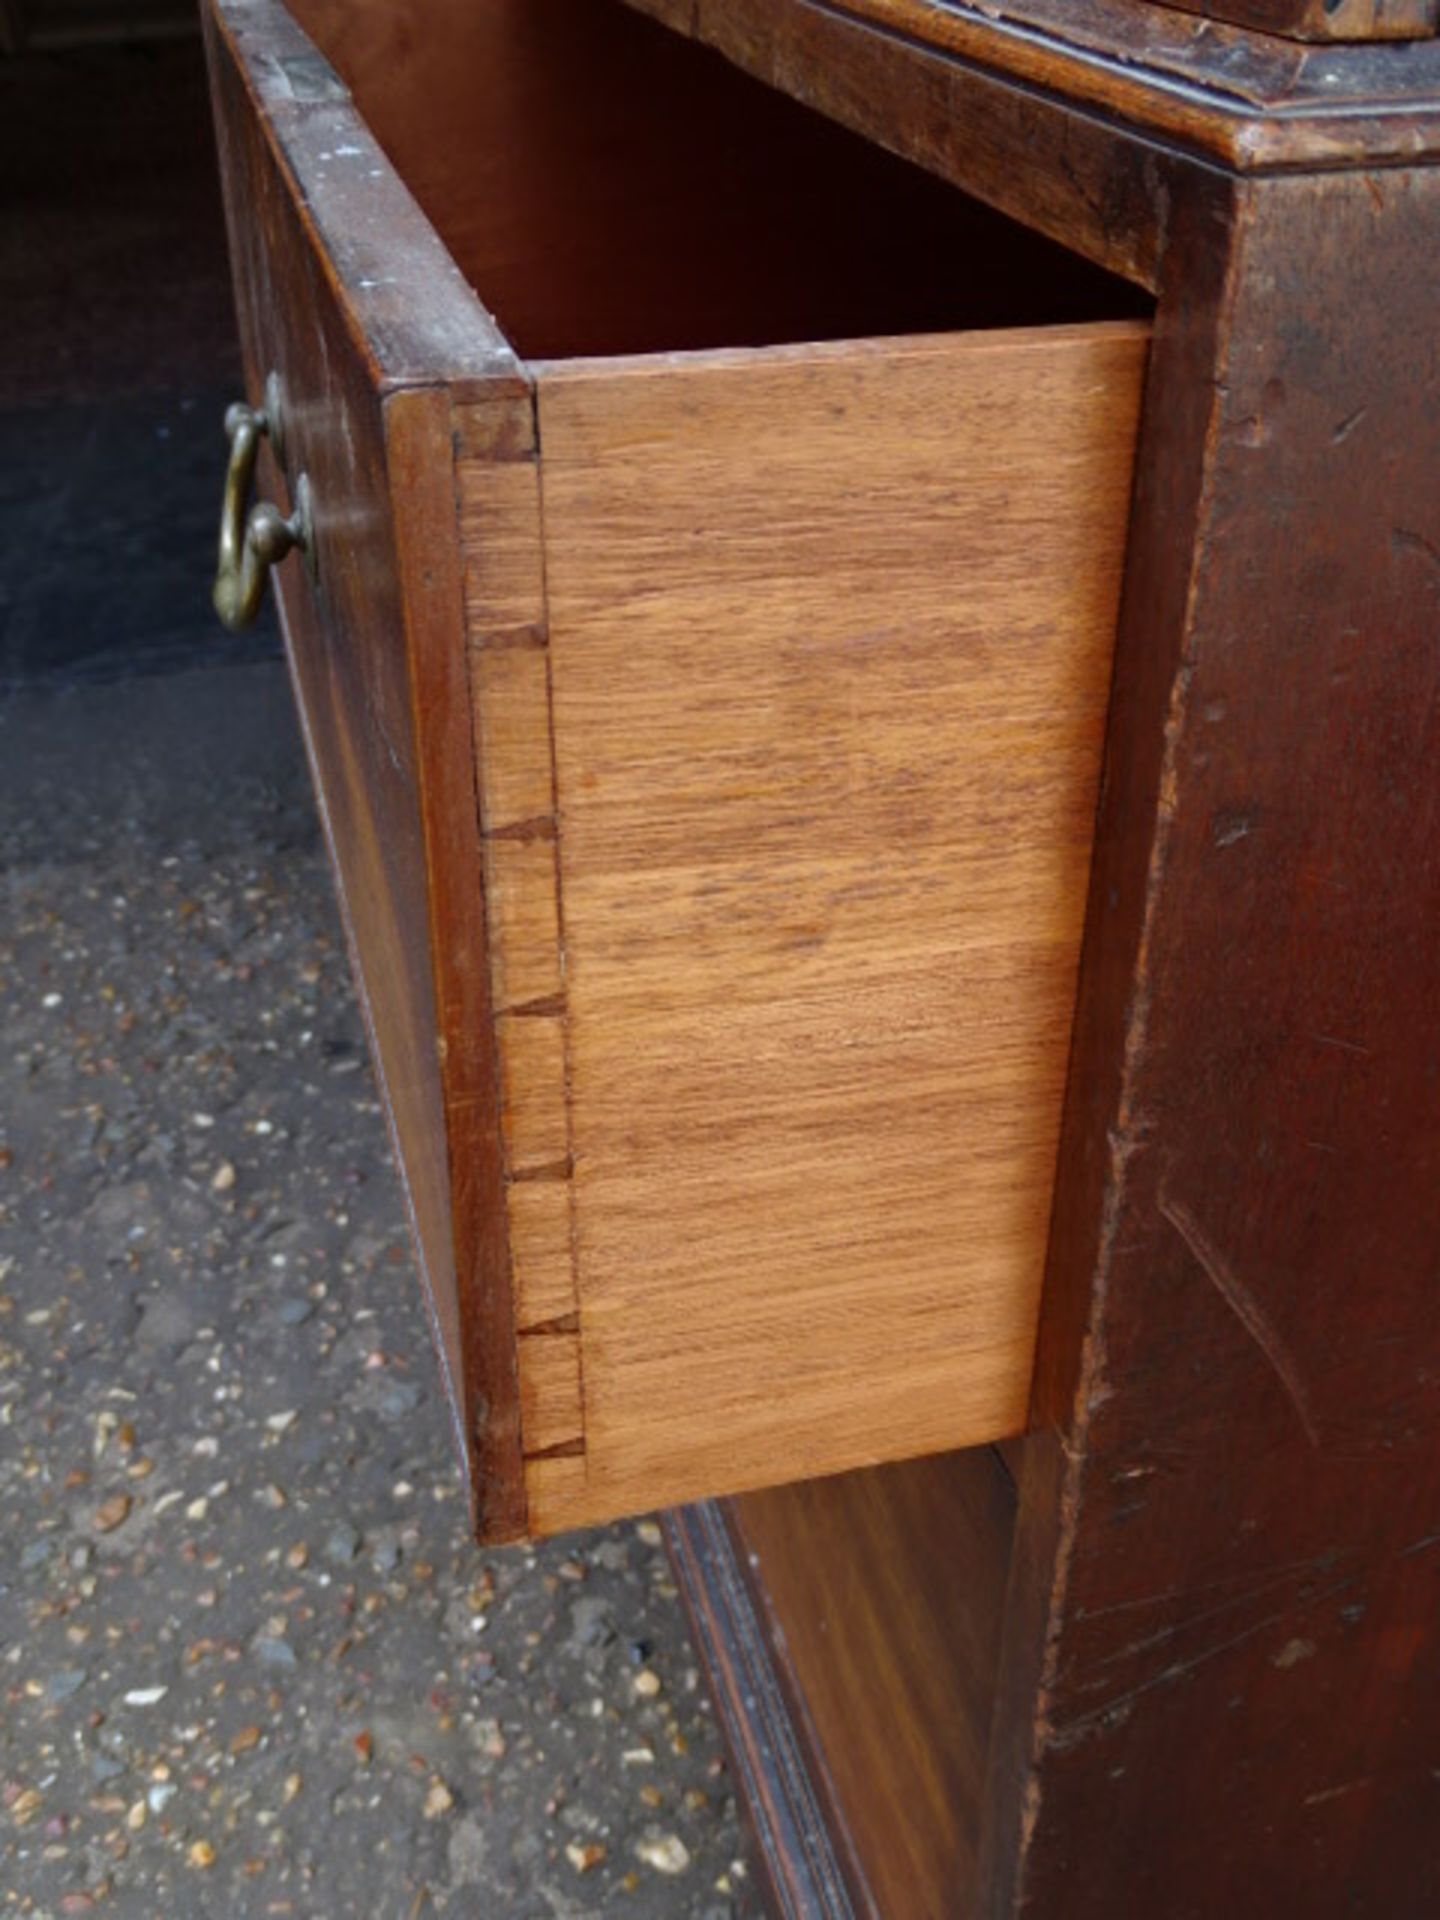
704, 682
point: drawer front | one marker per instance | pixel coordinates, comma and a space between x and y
372, 630
708, 743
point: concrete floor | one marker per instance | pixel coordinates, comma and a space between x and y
250, 1662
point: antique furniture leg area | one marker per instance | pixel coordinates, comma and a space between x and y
868, 630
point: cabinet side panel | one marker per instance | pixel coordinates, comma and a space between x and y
830, 634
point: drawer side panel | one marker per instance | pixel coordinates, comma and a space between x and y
830, 633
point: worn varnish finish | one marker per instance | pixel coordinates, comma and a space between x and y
1242, 1539
1219, 1660
805, 1868
1325, 19
1110, 94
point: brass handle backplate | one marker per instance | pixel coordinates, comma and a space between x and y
250, 544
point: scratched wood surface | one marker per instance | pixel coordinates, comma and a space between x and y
1325, 19
1081, 116
826, 731
1221, 1636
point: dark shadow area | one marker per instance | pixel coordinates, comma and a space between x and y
118, 359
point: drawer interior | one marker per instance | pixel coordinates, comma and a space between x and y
609, 187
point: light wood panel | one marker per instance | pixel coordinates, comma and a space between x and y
829, 633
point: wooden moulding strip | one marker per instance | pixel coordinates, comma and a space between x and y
499, 499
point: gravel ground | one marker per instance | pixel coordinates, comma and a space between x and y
250, 1661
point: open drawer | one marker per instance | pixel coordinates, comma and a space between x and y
704, 680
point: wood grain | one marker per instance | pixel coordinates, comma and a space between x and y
1223, 1621
377, 654
1325, 19
1127, 82
550, 1400
892, 1645
610, 188
805, 1868
540, 1248
497, 493
830, 637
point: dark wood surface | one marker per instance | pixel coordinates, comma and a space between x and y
884, 1593
771, 1753
376, 652
1222, 1647
1325, 19
1253, 101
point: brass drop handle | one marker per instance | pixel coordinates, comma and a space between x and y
250, 544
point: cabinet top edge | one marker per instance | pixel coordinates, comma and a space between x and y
372, 238
1253, 102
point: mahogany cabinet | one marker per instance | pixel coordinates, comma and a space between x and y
867, 629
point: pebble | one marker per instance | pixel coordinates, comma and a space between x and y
342, 1543
112, 1513
438, 1800
591, 1621
189, 1319
666, 1853
271, 1651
